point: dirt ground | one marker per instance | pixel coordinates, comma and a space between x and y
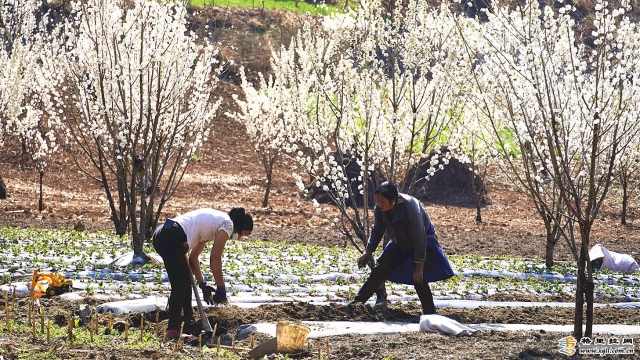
410, 345
229, 174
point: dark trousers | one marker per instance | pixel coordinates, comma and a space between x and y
388, 261
168, 241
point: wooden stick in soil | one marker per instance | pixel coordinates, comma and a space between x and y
32, 310
215, 328
29, 312
251, 341
200, 342
110, 321
126, 329
157, 320
179, 343
91, 327
218, 342
70, 328
164, 336
41, 319
96, 323
49, 332
319, 350
8, 319
327, 343
141, 327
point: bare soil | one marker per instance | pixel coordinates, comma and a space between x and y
229, 174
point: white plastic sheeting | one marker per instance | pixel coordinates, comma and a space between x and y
321, 329
152, 302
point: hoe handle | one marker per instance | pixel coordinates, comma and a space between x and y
203, 316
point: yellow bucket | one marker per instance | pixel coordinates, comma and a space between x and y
291, 337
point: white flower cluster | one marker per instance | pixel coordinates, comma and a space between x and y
144, 83
28, 79
385, 93
567, 107
143, 86
362, 89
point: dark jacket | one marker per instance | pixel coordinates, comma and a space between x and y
409, 227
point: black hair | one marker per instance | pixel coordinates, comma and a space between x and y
241, 220
387, 189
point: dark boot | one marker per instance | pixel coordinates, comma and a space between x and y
381, 296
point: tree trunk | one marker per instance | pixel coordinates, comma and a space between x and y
3, 189
267, 190
584, 288
150, 225
625, 202
589, 295
121, 225
549, 248
41, 202
580, 286
25, 154
137, 239
477, 193
268, 160
137, 242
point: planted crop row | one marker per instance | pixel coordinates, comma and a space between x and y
261, 269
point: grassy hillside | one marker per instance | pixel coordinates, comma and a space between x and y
297, 6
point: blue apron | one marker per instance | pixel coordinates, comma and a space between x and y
437, 265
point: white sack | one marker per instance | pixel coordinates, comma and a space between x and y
442, 324
612, 260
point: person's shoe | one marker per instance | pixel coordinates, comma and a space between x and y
381, 301
172, 334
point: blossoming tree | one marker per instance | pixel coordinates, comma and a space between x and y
368, 92
627, 176
571, 107
28, 81
143, 87
262, 116
475, 148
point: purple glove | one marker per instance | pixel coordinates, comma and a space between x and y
207, 292
220, 296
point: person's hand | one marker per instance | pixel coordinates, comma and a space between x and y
418, 276
364, 259
207, 292
221, 295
